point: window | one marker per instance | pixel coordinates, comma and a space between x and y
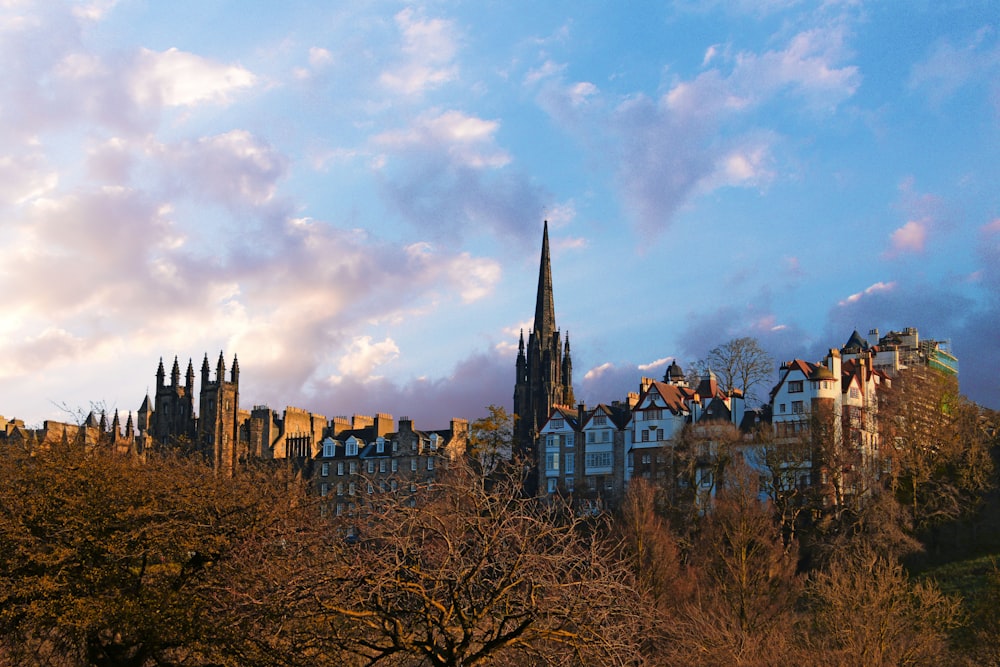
413, 464
552, 461
340, 488
371, 489
590, 436
795, 387
646, 459
557, 424
659, 434
354, 467
329, 447
645, 435
430, 463
598, 460
340, 508
352, 447
340, 467
393, 485
371, 467
552, 484
600, 420
570, 463
380, 446
855, 393
324, 470
653, 414
324, 489
381, 465
568, 440
781, 407
569, 484
798, 407
351, 489
395, 465
395, 446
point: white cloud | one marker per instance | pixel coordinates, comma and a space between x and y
659, 363
476, 276
908, 238
234, 168
467, 140
175, 78
597, 371
547, 70
428, 48
319, 57
949, 67
363, 356
875, 288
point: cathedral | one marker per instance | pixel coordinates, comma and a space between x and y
544, 368
171, 417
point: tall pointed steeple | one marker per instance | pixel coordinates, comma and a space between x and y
545, 309
544, 370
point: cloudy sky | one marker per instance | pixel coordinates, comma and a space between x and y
349, 196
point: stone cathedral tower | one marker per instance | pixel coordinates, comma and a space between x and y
544, 368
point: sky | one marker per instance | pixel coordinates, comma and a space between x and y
350, 196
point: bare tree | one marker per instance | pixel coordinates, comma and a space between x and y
465, 574
867, 612
740, 363
104, 556
742, 609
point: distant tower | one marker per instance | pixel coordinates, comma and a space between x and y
218, 416
544, 370
171, 420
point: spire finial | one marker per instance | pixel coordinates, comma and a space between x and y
545, 311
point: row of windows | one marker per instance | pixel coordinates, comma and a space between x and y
351, 446
351, 488
384, 465
598, 482
798, 408
592, 460
795, 386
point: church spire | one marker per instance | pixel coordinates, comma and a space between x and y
545, 310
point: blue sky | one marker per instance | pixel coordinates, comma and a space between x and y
350, 196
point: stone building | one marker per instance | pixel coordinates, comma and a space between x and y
544, 370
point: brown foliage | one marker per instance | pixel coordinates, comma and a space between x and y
866, 612
103, 557
464, 575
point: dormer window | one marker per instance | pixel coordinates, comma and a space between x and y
380, 445
329, 447
352, 446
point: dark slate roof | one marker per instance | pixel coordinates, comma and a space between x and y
855, 343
